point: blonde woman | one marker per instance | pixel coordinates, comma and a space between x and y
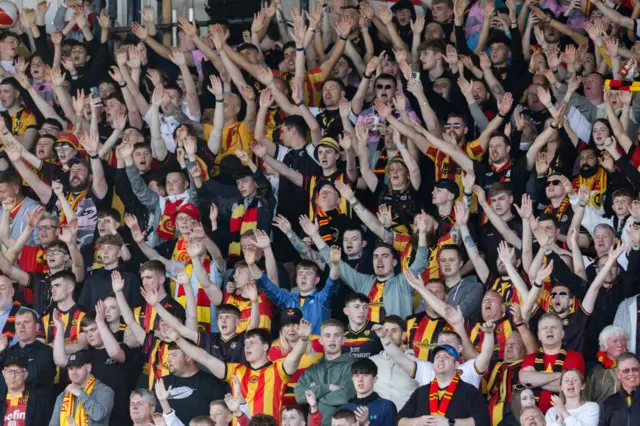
570, 409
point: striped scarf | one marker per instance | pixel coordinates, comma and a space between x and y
166, 226
605, 360
597, 185
328, 233
180, 251
376, 302
73, 199
538, 364
560, 211
68, 406
499, 386
440, 406
242, 220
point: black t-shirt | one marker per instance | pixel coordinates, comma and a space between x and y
515, 173
97, 286
40, 284
231, 350
489, 239
190, 396
290, 196
116, 376
330, 123
363, 343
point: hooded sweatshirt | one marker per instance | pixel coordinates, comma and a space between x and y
382, 412
318, 377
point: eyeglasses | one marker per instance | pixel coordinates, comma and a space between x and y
523, 386
13, 373
63, 147
45, 227
452, 125
630, 370
559, 294
384, 86
553, 182
54, 252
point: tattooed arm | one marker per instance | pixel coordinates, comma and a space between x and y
305, 250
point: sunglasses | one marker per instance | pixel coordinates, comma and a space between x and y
452, 125
384, 86
559, 294
553, 182
523, 386
630, 370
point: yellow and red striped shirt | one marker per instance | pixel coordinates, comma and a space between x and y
503, 331
263, 388
265, 305
423, 332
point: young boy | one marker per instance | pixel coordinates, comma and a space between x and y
364, 375
315, 305
360, 341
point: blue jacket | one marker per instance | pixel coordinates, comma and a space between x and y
317, 305
382, 412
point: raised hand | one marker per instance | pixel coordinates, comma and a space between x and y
282, 223
262, 239
544, 272
345, 190
311, 398
461, 213
487, 327
309, 228
249, 255
150, 295
526, 207
335, 255
506, 253
117, 282
162, 393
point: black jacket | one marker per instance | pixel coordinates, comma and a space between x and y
37, 409
38, 359
467, 401
615, 411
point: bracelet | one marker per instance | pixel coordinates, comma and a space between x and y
300, 103
5, 133
582, 205
220, 101
299, 49
122, 85
536, 285
366, 76
520, 324
343, 38
554, 127
501, 116
94, 157
365, 30
468, 194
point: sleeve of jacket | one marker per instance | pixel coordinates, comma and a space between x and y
470, 303
339, 397
277, 295
41, 370
564, 275
584, 106
99, 403
304, 384
55, 417
146, 196
42, 47
477, 406
355, 280
631, 277
420, 262
389, 414
328, 293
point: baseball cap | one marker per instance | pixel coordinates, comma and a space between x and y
188, 209
290, 316
15, 361
70, 139
449, 185
403, 4
328, 142
450, 350
80, 358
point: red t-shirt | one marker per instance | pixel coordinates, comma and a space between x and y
572, 360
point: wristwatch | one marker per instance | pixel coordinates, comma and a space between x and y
452, 422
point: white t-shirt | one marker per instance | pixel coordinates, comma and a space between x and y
425, 372
587, 414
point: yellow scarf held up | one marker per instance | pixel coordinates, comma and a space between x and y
68, 406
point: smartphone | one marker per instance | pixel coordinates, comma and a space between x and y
374, 123
95, 93
415, 75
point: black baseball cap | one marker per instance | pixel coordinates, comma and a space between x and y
80, 358
449, 185
290, 316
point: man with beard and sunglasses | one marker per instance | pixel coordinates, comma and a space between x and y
87, 188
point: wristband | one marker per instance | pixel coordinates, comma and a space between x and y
554, 127
536, 285
300, 103
468, 194
220, 101
94, 157
582, 205
520, 324
501, 116
122, 85
299, 49
343, 38
365, 30
367, 76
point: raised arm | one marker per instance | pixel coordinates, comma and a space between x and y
294, 176
614, 15
193, 103
196, 251
109, 341
379, 229
501, 226
14, 152
590, 297
117, 283
479, 264
214, 365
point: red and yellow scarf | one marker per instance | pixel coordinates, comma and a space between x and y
561, 209
180, 251
437, 405
242, 220
73, 199
605, 360
597, 184
167, 227
538, 364
68, 406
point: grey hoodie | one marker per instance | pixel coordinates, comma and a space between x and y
319, 376
468, 295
